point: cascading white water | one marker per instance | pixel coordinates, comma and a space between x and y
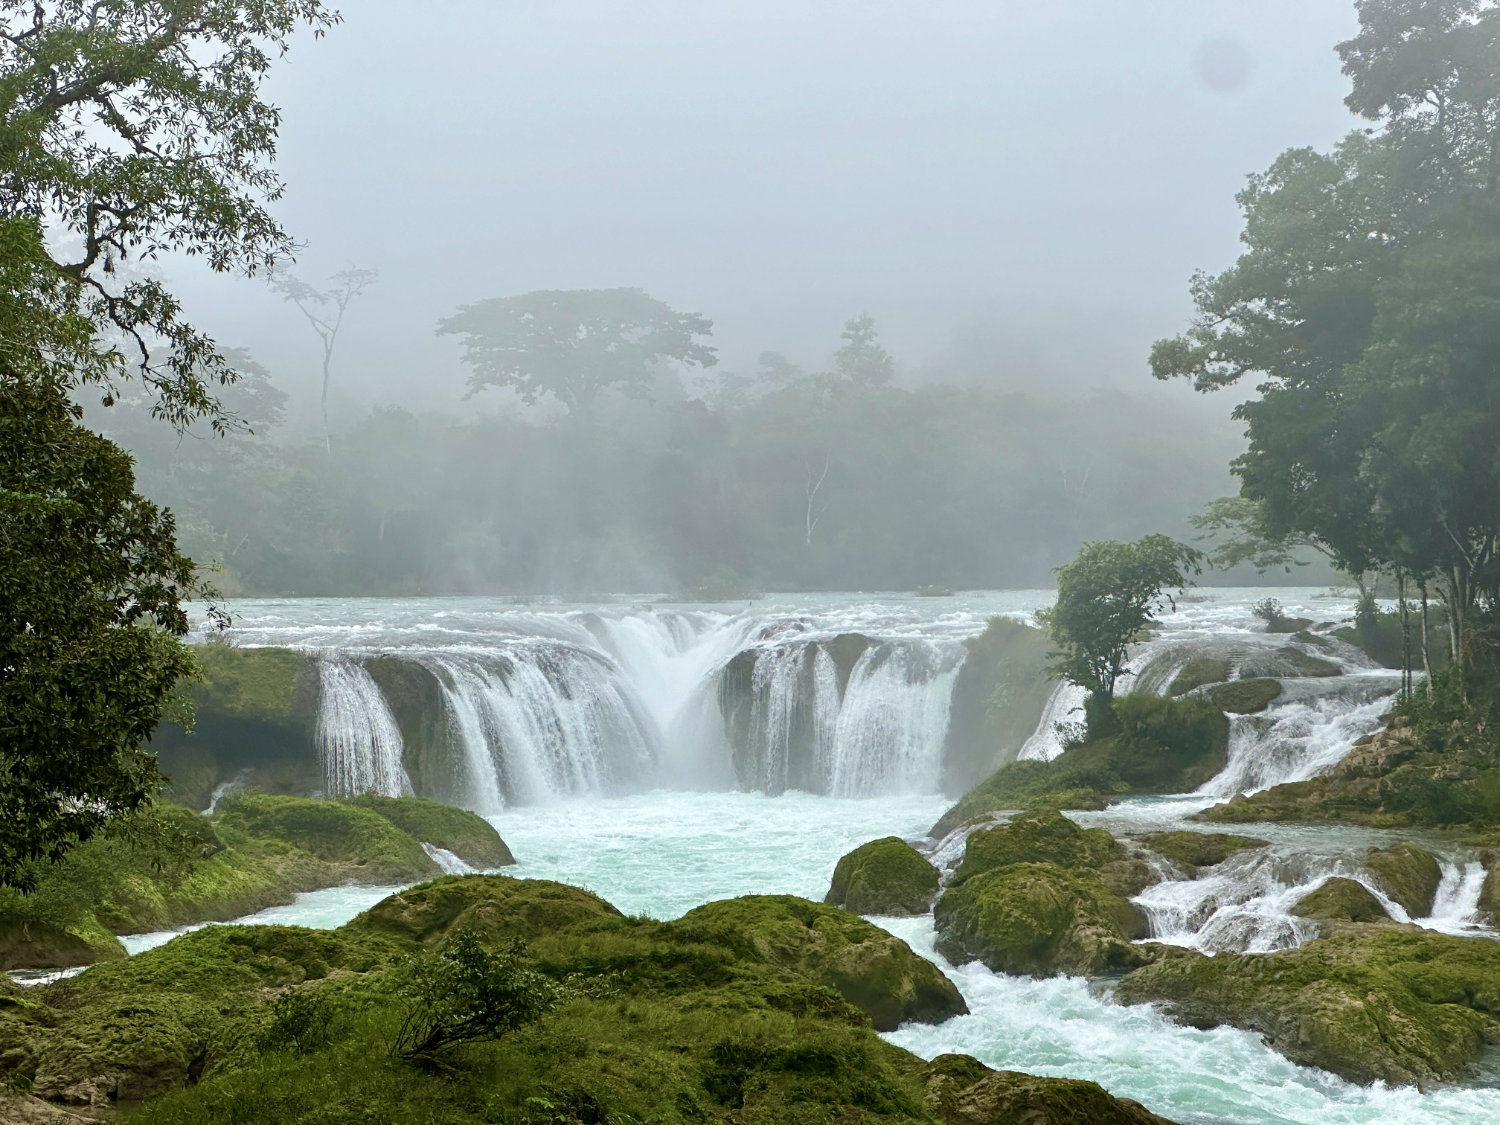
1294, 741
450, 863
1065, 705
358, 741
888, 737
1455, 907
541, 721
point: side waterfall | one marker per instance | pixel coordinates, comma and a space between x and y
359, 743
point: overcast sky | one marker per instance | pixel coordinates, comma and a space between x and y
1017, 192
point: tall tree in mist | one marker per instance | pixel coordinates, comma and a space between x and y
574, 344
324, 311
861, 361
131, 130
1367, 307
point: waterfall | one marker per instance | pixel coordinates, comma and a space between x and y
1455, 908
888, 735
450, 863
358, 741
542, 721
1065, 705
1296, 740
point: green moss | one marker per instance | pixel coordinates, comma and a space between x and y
1244, 697
1157, 745
1039, 919
1199, 849
258, 683
1341, 900
1408, 874
1042, 836
961, 1089
869, 967
467, 835
366, 846
1199, 671
1372, 1003
497, 906
886, 876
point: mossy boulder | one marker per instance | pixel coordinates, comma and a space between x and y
496, 906
1193, 850
1039, 919
886, 876
998, 698
1341, 900
1198, 672
1244, 697
1369, 1003
33, 943
1155, 745
871, 968
1408, 874
466, 834
961, 1090
366, 846
1040, 836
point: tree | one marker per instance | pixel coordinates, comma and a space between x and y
862, 362
131, 130
1105, 597
324, 310
1367, 306
573, 344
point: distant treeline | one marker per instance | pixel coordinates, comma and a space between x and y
797, 482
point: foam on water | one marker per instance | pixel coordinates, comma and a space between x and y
1060, 1027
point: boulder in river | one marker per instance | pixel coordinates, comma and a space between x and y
963, 1091
886, 876
1408, 874
1341, 900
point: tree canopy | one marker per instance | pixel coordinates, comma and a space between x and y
1367, 306
573, 344
1105, 597
128, 130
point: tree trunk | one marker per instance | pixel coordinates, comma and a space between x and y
1405, 633
1426, 662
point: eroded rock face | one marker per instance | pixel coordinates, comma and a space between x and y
1368, 1003
1341, 900
1040, 919
1409, 874
874, 970
961, 1090
886, 876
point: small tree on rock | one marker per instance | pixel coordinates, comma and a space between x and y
1105, 597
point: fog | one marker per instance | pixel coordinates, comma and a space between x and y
1016, 194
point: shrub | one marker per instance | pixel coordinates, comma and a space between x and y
465, 993
297, 1021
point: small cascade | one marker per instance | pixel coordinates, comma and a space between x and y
450, 863
542, 721
1296, 740
1064, 706
1245, 903
358, 741
888, 736
1455, 908
848, 716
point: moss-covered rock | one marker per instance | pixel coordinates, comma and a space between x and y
1341, 900
998, 698
1039, 919
467, 835
1408, 874
871, 968
496, 906
1041, 836
1193, 850
1198, 672
1244, 697
963, 1091
1369, 1003
366, 846
27, 942
886, 876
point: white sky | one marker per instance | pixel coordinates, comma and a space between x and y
1017, 192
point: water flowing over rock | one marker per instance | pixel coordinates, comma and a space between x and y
358, 741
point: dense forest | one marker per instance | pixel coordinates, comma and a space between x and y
724, 483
